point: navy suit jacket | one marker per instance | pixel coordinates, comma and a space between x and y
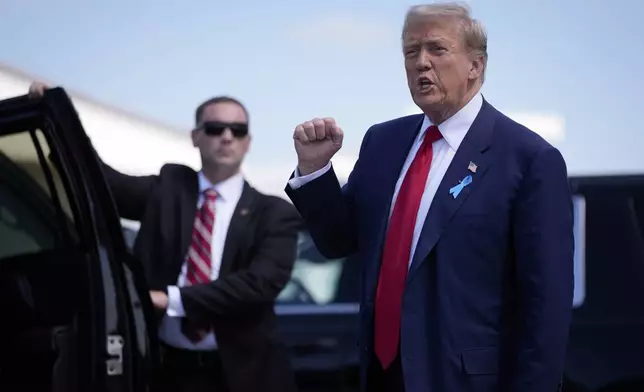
488, 296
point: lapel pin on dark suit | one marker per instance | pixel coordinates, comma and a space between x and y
472, 167
244, 211
456, 190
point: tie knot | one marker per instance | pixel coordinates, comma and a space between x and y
432, 134
210, 194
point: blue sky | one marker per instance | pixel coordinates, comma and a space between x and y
577, 64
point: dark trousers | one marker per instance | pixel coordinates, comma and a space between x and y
389, 380
191, 371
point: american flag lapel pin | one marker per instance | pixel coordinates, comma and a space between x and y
472, 167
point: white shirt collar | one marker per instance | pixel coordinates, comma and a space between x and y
455, 128
228, 190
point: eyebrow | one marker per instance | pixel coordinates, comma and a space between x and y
427, 41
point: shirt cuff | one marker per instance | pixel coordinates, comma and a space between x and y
299, 181
175, 305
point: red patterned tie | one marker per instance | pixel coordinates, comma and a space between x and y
199, 263
395, 257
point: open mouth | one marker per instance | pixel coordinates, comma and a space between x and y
424, 84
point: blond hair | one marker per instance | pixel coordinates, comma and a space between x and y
472, 30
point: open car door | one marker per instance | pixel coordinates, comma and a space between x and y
76, 315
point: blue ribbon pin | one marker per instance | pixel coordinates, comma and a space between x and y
456, 190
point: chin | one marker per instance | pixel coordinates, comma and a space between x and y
228, 162
426, 101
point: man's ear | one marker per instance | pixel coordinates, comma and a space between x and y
476, 68
194, 135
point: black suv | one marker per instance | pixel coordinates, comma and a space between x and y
76, 310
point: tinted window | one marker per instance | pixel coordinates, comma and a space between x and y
318, 280
43, 281
21, 230
34, 211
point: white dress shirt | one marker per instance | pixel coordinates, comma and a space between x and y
228, 194
453, 130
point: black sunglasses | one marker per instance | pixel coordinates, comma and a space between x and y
217, 128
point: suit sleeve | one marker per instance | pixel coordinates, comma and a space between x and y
130, 193
544, 245
258, 285
298, 181
328, 209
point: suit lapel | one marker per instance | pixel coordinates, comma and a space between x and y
188, 212
444, 205
238, 224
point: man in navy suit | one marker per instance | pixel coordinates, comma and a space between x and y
462, 220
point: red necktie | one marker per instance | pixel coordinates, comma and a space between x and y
200, 256
395, 257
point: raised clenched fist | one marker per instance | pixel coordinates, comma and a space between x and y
316, 142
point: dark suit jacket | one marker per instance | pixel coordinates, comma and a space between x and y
488, 297
256, 264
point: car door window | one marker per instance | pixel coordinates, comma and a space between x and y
317, 280
28, 211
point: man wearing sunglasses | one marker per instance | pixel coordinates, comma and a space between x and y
216, 253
